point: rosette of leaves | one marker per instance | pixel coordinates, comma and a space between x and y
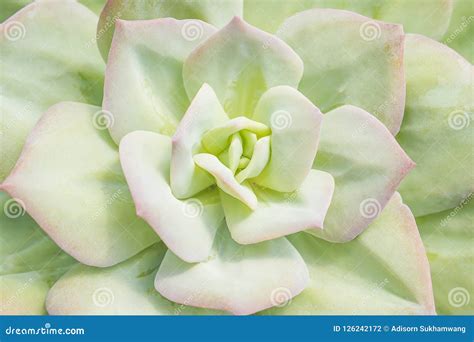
235, 156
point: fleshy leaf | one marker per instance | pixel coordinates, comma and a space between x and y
204, 113
9, 7
214, 12
449, 240
269, 14
239, 279
225, 179
29, 261
232, 157
437, 130
279, 214
295, 124
38, 69
124, 289
94, 5
429, 18
461, 29
143, 81
367, 70
258, 161
186, 226
70, 181
383, 272
24, 247
240, 62
216, 139
367, 164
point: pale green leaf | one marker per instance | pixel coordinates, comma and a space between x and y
278, 214
367, 165
143, 80
124, 289
48, 54
449, 241
70, 181
350, 59
214, 12
236, 278
437, 132
186, 226
240, 62
384, 271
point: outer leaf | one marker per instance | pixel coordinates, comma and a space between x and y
29, 261
240, 62
9, 7
236, 278
215, 12
23, 245
437, 131
47, 55
358, 62
383, 271
95, 5
449, 240
143, 82
69, 178
295, 124
367, 164
124, 289
430, 18
187, 226
279, 214
461, 29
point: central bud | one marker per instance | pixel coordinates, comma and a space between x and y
234, 153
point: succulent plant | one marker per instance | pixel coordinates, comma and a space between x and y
236, 156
